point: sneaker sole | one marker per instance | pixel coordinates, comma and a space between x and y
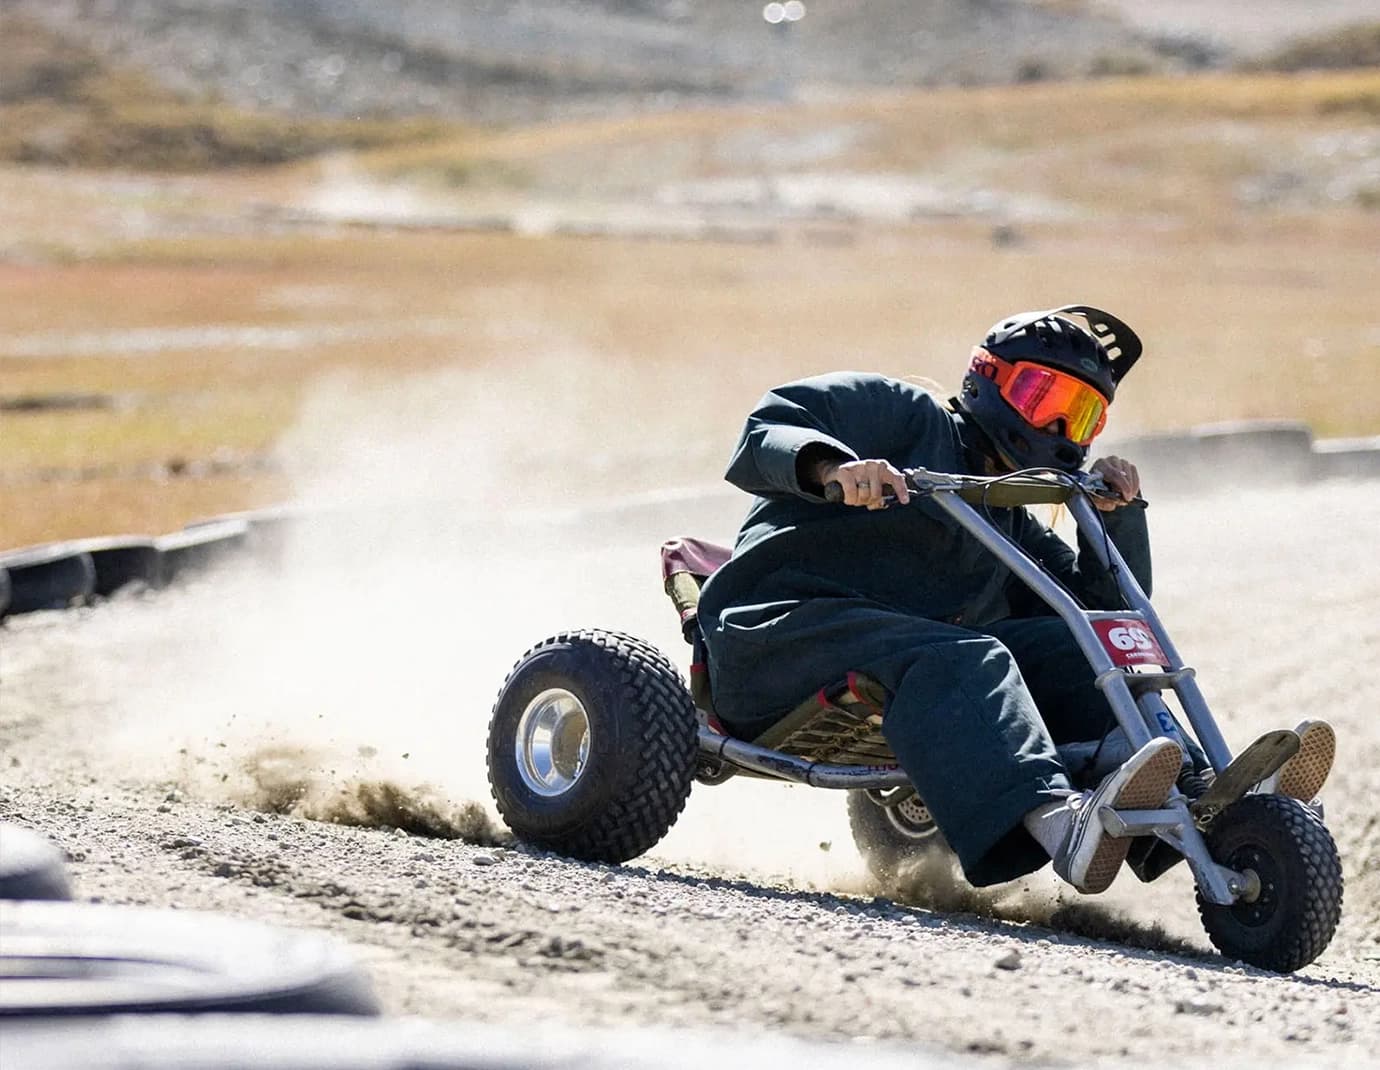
1146, 790
1302, 777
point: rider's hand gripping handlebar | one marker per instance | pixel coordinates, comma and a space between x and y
1031, 487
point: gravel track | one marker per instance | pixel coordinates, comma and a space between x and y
200, 748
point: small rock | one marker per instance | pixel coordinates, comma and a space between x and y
1202, 1010
825, 845
484, 860
1010, 961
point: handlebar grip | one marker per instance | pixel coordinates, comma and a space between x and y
833, 492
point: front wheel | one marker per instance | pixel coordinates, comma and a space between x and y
592, 745
1294, 900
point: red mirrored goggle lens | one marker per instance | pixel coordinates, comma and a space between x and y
1043, 395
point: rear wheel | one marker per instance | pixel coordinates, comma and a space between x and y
1294, 901
888, 836
592, 746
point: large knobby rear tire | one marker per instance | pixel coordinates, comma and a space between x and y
888, 837
1290, 920
591, 747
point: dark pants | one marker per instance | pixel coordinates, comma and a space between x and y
973, 719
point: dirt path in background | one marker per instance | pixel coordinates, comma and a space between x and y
149, 735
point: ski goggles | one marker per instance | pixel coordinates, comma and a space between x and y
1043, 395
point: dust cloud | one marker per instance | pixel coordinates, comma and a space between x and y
348, 673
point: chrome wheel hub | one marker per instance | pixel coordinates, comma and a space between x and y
911, 818
552, 745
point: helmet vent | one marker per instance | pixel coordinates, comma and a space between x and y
1122, 344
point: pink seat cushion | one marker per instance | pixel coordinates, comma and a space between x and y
695, 556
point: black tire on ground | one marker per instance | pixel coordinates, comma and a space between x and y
592, 745
48, 577
30, 866
886, 837
1292, 919
120, 562
86, 958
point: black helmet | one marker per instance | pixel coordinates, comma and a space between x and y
1014, 404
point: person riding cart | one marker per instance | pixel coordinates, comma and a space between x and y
982, 683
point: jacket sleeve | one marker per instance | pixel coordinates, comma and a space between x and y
1083, 573
847, 415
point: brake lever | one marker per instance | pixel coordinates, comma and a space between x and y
1095, 486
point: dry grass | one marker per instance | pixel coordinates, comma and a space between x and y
902, 131
43, 512
573, 357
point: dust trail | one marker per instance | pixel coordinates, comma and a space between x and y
934, 882
350, 676
292, 780
357, 669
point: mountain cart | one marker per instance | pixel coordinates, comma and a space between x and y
595, 741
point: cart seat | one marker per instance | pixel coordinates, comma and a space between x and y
839, 724
685, 564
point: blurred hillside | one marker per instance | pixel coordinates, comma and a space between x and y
491, 60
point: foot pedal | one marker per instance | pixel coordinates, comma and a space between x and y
1258, 761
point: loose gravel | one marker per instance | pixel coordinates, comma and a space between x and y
200, 747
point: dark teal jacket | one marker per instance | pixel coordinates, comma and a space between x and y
794, 545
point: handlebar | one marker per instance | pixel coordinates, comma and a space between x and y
1001, 492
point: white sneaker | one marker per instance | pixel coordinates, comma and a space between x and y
1302, 777
1089, 858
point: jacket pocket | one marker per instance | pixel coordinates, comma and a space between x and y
756, 625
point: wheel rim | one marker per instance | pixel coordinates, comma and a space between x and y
1256, 912
552, 745
911, 818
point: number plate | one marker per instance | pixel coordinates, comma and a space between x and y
1129, 642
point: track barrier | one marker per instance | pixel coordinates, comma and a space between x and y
55, 576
